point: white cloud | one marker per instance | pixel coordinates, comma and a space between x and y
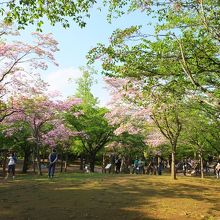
62, 80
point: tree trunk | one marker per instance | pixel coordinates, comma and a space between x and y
173, 168
66, 162
39, 161
33, 160
61, 165
4, 163
103, 163
81, 162
201, 166
92, 161
112, 161
26, 161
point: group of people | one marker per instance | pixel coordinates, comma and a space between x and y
12, 160
155, 166
138, 165
193, 167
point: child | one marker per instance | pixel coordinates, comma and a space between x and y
11, 165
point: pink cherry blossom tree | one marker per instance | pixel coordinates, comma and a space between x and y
126, 113
135, 100
19, 59
61, 135
43, 115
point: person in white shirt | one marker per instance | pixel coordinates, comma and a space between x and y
11, 165
217, 170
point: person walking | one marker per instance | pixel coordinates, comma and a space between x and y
11, 165
52, 163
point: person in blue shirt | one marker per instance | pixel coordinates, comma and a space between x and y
135, 166
52, 163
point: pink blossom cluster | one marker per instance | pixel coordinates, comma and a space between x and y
19, 58
143, 4
127, 127
115, 144
60, 134
155, 138
128, 115
67, 104
39, 110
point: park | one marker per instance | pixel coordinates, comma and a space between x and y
110, 109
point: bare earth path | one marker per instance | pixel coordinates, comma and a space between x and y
109, 197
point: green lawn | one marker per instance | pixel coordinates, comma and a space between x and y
109, 197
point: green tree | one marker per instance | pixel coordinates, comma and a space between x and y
181, 56
127, 147
183, 50
91, 122
21, 144
167, 116
202, 135
27, 12
84, 85
7, 144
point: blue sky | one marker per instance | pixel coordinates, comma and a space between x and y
74, 43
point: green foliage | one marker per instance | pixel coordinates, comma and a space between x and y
18, 140
84, 86
182, 54
129, 145
89, 120
7, 143
27, 12
93, 125
176, 64
201, 132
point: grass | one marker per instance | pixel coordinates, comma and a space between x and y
109, 197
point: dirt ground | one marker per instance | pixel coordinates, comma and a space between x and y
84, 196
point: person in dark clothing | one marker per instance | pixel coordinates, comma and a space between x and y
160, 168
52, 163
118, 165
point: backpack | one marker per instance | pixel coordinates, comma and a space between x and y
15, 159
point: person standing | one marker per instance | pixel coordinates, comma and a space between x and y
52, 163
135, 166
160, 167
118, 165
217, 170
11, 165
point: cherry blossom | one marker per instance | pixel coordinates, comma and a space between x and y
19, 61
